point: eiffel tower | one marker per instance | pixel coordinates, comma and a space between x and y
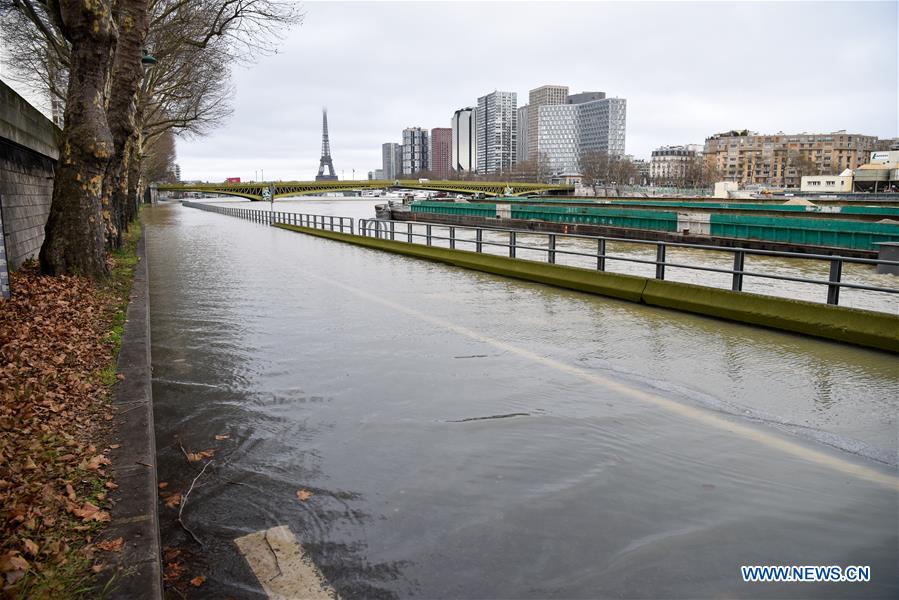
326, 153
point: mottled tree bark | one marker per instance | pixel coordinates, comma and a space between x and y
134, 173
75, 240
133, 21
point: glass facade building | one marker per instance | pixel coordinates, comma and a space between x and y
557, 137
497, 132
464, 142
392, 160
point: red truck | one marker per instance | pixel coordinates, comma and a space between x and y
232, 180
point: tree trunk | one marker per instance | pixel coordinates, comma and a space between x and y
74, 235
134, 174
132, 20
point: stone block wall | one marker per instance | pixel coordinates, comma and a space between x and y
26, 187
28, 154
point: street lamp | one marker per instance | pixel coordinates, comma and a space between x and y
147, 58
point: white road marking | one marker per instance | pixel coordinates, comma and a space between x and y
700, 415
282, 568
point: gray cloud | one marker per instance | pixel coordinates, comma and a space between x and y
688, 70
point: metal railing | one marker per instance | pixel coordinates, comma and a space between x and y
411, 232
404, 231
268, 217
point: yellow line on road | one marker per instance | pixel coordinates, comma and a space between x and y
752, 433
282, 568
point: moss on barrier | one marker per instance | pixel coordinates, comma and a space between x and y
850, 325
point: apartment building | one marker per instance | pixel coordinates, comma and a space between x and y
497, 129
781, 159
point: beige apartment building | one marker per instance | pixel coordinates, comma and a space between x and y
781, 160
545, 95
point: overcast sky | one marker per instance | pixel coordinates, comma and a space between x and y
687, 70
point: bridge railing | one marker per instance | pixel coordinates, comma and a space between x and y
268, 217
596, 250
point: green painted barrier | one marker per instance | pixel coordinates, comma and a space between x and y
455, 208
835, 233
612, 217
858, 235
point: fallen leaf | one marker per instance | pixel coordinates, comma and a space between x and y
11, 561
198, 456
173, 571
97, 567
30, 547
115, 446
304, 495
173, 500
120, 376
94, 463
110, 485
223, 436
90, 512
163, 485
111, 545
198, 580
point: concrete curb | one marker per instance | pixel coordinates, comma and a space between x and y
850, 325
137, 569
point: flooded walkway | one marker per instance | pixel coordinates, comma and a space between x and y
426, 431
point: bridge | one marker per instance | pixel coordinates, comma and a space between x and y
284, 189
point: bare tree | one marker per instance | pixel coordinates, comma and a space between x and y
595, 168
92, 50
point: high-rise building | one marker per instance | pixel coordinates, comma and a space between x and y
497, 131
557, 138
601, 123
416, 147
441, 155
465, 147
522, 152
541, 96
781, 160
392, 160
585, 123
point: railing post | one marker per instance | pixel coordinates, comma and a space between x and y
479, 238
833, 288
352, 229
739, 262
551, 253
512, 244
428, 233
392, 231
409, 232
331, 223
601, 254
452, 238
660, 261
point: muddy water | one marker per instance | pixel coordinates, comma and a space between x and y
370, 380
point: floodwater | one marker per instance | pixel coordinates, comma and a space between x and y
466, 435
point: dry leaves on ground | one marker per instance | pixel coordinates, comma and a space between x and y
111, 545
54, 410
304, 495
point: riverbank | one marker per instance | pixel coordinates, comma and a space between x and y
59, 342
